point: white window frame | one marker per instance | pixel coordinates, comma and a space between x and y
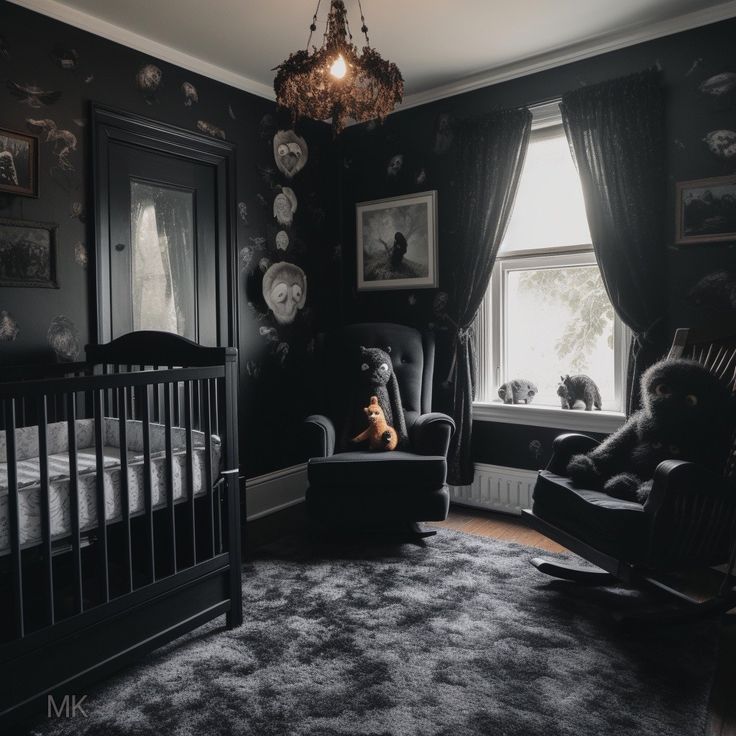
491, 338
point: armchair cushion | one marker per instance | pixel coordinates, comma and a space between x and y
618, 528
373, 470
431, 433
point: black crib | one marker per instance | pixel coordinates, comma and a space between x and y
78, 603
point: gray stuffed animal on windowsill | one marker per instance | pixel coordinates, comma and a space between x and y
518, 391
579, 392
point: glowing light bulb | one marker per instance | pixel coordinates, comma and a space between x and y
339, 68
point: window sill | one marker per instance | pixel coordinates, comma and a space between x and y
604, 422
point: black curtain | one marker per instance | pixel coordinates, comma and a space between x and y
616, 131
490, 156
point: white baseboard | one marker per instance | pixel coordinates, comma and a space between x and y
272, 492
497, 488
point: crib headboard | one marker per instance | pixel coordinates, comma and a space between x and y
152, 348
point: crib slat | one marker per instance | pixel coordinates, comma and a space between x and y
74, 502
156, 400
131, 396
113, 395
177, 413
215, 407
147, 483
124, 489
16, 563
100, 488
197, 413
170, 472
43, 455
205, 394
104, 370
190, 464
218, 494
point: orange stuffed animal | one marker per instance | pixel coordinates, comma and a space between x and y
379, 435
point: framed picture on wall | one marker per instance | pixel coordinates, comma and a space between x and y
397, 242
28, 254
706, 210
18, 163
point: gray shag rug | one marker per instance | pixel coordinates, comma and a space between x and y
459, 637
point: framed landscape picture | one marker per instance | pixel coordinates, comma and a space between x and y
706, 210
28, 254
397, 242
18, 163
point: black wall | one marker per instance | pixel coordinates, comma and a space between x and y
275, 359
423, 136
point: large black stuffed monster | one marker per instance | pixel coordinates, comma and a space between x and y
687, 414
376, 378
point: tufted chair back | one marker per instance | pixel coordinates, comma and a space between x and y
412, 356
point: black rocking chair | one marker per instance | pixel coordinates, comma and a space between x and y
675, 540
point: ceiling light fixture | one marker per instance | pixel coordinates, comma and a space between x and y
336, 80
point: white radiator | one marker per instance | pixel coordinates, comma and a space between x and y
497, 488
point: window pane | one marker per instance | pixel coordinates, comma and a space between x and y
549, 208
162, 224
559, 321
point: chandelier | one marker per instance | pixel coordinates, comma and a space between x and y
336, 80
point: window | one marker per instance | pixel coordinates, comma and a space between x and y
546, 312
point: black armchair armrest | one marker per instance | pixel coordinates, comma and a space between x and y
692, 512
319, 436
567, 445
431, 433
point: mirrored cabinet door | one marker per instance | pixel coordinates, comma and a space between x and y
164, 222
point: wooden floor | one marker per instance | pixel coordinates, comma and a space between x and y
498, 526
722, 720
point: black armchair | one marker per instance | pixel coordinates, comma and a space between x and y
688, 522
407, 485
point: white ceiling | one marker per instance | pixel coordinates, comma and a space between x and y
440, 45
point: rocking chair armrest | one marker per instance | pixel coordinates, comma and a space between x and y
567, 445
319, 436
431, 434
673, 478
692, 512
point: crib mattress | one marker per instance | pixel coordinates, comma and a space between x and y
29, 477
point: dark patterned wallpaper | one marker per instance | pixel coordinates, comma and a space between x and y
413, 151
49, 74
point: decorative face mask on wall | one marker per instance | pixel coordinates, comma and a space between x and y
282, 240
284, 206
290, 152
285, 291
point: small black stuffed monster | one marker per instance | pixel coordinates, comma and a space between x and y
687, 414
377, 378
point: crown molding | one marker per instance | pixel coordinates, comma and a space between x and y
585, 49
87, 22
